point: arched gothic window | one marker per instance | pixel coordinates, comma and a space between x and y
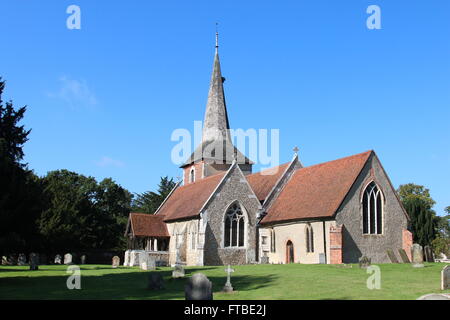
234, 226
192, 176
309, 238
372, 204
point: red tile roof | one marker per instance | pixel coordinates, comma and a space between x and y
263, 181
187, 201
316, 191
148, 225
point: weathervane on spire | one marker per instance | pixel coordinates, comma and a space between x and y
217, 36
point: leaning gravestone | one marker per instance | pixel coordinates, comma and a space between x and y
155, 281
22, 260
115, 261
391, 256
445, 278
365, 262
126, 258
403, 256
417, 256
34, 261
198, 288
428, 254
178, 271
83, 259
58, 259
67, 258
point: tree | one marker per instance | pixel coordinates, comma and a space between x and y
19, 187
149, 202
418, 203
81, 213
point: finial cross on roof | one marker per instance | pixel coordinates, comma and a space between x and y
296, 149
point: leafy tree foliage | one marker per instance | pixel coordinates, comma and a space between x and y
149, 202
81, 213
19, 187
418, 203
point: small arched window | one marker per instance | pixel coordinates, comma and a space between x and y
234, 226
309, 238
192, 175
372, 205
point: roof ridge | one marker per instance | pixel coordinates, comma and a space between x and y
339, 159
202, 179
271, 168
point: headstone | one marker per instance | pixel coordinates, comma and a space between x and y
34, 261
43, 259
391, 256
445, 278
264, 260
67, 258
126, 258
83, 259
5, 261
429, 257
12, 259
322, 258
115, 261
134, 258
144, 260
58, 259
178, 271
417, 256
365, 262
198, 288
22, 260
228, 287
155, 281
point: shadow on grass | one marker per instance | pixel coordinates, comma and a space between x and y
117, 286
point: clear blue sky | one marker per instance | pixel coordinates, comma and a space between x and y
104, 100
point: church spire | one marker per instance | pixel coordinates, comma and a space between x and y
215, 125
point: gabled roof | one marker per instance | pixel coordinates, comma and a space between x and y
148, 225
262, 182
316, 191
187, 201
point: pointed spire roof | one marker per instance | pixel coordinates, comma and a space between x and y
216, 125
216, 142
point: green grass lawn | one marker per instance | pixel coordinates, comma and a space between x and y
294, 281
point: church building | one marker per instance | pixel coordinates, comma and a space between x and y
223, 213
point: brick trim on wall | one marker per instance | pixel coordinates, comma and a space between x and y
407, 240
336, 244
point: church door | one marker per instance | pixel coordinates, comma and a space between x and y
289, 252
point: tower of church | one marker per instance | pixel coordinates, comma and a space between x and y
216, 151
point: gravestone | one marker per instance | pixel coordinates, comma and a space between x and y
143, 260
435, 296
126, 258
83, 259
417, 256
391, 256
22, 260
445, 278
34, 261
155, 281
198, 288
403, 256
5, 261
365, 262
151, 263
115, 261
43, 259
228, 287
178, 271
428, 252
322, 258
12, 260
134, 258
264, 260
58, 259
67, 258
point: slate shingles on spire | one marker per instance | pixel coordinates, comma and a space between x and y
216, 144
